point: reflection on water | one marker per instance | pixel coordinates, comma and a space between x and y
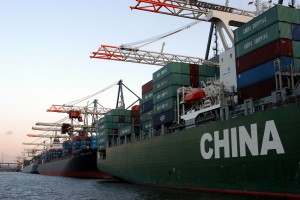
14, 185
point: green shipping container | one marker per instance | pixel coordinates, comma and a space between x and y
166, 93
296, 49
266, 19
103, 139
147, 96
146, 126
104, 132
204, 79
178, 68
115, 112
171, 79
147, 116
102, 146
206, 70
165, 105
123, 125
108, 125
125, 131
121, 119
297, 65
272, 33
128, 130
106, 118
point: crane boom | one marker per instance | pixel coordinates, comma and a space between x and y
47, 136
82, 110
52, 129
144, 57
191, 9
33, 150
60, 125
37, 144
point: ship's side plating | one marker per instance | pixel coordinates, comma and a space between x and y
82, 165
255, 153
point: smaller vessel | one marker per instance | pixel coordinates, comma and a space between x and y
30, 166
72, 158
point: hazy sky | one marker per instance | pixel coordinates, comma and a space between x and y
44, 56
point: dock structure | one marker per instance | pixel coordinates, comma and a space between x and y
9, 166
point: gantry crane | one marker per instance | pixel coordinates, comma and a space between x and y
221, 17
128, 53
47, 136
36, 144
61, 124
191, 9
119, 53
75, 112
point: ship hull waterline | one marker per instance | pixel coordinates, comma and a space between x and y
267, 165
83, 165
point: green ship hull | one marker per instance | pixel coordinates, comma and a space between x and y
253, 154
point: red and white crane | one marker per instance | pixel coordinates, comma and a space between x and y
221, 17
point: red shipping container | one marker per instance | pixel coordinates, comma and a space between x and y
135, 120
194, 81
281, 47
135, 107
257, 91
121, 119
193, 70
134, 113
147, 87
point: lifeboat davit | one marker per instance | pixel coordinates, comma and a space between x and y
194, 95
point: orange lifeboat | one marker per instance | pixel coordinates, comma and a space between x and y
194, 95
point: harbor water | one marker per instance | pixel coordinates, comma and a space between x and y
17, 185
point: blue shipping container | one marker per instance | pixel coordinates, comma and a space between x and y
147, 106
262, 72
163, 118
296, 32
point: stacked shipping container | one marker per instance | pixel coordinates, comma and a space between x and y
265, 45
168, 79
147, 106
134, 127
159, 95
110, 124
157, 105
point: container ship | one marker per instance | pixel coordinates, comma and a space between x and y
232, 128
30, 166
75, 159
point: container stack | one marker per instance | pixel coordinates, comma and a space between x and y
93, 142
134, 128
110, 124
47, 155
67, 148
147, 107
54, 153
159, 96
266, 45
206, 71
168, 79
